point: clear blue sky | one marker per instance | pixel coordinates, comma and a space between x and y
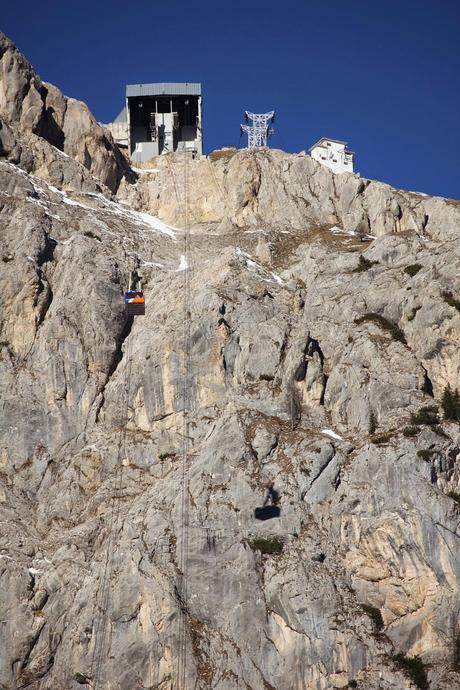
380, 74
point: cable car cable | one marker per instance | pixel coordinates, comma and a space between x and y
101, 625
182, 588
184, 552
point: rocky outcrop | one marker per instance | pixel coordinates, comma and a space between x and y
248, 189
318, 362
289, 369
31, 109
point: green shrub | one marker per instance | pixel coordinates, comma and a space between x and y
450, 300
413, 269
363, 264
451, 404
89, 233
226, 154
425, 455
81, 679
414, 669
454, 496
165, 454
375, 615
437, 428
379, 439
427, 415
272, 545
372, 423
409, 431
394, 330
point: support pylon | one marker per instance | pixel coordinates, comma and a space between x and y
261, 128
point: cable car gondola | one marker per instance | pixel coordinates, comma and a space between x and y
134, 297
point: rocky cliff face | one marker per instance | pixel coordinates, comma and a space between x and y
39, 127
250, 190
324, 326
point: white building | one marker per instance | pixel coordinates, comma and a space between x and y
334, 154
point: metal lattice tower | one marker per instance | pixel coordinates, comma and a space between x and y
261, 128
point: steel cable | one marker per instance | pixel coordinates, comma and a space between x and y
103, 606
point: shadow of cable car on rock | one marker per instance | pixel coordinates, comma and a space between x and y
270, 508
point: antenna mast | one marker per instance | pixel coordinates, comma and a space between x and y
261, 128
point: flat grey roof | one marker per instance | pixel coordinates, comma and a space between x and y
320, 141
164, 88
121, 117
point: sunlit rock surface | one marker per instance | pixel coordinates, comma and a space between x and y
323, 318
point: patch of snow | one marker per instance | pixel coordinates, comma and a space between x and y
37, 189
331, 434
140, 218
71, 202
183, 265
152, 263
276, 277
67, 200
351, 233
154, 223
56, 190
145, 170
340, 231
43, 205
98, 195
61, 153
253, 266
34, 571
31, 200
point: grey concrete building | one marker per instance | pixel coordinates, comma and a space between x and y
159, 118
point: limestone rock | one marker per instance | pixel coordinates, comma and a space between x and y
37, 108
318, 358
269, 188
264, 442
